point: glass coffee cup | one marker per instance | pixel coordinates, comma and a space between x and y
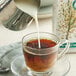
40, 61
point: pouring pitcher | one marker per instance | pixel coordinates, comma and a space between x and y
14, 18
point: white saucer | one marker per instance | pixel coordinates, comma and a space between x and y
45, 12
61, 68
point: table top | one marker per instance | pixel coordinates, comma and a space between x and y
72, 58
8, 37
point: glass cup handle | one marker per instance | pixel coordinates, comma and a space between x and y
65, 50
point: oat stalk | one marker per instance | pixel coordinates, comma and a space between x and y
69, 24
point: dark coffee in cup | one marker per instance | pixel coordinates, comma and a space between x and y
40, 62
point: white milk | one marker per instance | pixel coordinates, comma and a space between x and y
37, 26
30, 7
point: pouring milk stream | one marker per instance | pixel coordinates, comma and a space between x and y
30, 7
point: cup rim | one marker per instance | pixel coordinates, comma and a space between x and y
41, 48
